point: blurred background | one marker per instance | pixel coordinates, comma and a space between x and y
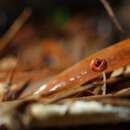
57, 33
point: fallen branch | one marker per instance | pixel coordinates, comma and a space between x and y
82, 73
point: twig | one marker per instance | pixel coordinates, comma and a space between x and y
8, 83
104, 87
15, 91
82, 73
9, 35
65, 94
52, 97
112, 15
123, 92
12, 73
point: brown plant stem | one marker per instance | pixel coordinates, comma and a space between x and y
110, 12
15, 27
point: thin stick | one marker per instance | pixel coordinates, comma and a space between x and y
112, 15
104, 85
10, 77
19, 22
66, 94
